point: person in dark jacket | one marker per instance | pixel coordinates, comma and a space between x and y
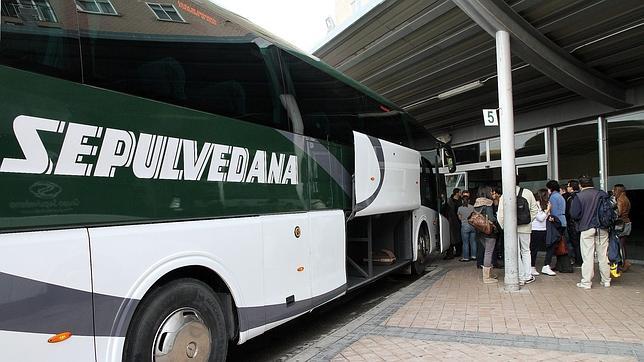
497, 256
556, 211
593, 238
574, 250
452, 206
554, 231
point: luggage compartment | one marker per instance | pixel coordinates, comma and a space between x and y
368, 236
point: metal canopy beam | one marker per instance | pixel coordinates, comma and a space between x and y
543, 54
395, 36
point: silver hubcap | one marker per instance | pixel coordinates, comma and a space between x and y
183, 336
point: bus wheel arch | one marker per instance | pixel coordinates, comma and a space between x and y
220, 311
218, 285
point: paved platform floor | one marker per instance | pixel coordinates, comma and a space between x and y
449, 314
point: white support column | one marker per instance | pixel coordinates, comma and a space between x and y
603, 154
508, 165
553, 157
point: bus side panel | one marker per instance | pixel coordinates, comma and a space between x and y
259, 258
287, 259
54, 198
328, 252
45, 286
128, 260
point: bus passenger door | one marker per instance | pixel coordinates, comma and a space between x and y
287, 269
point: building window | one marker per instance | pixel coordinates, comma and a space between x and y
626, 166
472, 153
96, 6
626, 149
532, 177
40, 49
495, 149
531, 143
166, 12
39, 10
577, 151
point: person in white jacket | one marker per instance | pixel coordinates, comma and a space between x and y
538, 235
523, 234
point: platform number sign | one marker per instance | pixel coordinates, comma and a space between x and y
490, 117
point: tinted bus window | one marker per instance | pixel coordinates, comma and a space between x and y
427, 184
207, 63
331, 109
40, 36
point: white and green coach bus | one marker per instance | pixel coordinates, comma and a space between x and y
174, 179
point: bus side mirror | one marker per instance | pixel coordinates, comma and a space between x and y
450, 160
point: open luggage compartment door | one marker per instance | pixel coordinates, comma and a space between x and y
387, 176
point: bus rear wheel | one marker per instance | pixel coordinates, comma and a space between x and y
180, 321
423, 251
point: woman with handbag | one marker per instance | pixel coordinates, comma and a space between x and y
486, 229
623, 209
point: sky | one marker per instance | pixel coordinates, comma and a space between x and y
301, 22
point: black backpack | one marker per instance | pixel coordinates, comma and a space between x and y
606, 211
523, 209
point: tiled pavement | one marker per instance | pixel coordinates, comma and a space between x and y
449, 314
550, 307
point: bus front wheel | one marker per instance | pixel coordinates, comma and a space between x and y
180, 321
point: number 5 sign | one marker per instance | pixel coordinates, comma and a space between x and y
490, 117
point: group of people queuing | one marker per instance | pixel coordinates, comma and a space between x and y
562, 220
485, 249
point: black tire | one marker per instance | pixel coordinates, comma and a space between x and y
423, 251
155, 309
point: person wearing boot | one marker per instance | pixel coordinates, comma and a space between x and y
623, 209
483, 204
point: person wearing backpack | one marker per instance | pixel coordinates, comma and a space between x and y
589, 210
527, 209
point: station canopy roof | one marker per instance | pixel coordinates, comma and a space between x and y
435, 61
